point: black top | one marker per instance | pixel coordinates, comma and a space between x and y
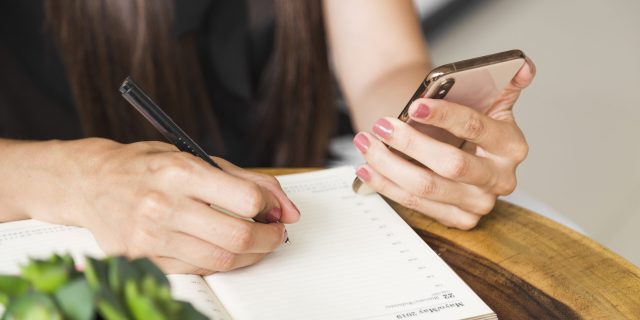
35, 98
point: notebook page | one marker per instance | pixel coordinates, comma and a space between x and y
31, 238
350, 257
192, 288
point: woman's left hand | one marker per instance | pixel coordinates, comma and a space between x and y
454, 186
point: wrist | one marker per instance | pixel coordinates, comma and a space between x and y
44, 179
76, 166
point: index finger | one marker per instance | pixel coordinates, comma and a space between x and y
289, 212
227, 232
199, 180
463, 122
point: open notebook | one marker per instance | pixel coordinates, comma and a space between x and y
350, 257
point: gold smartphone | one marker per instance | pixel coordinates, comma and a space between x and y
475, 83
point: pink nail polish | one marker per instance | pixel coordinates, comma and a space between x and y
383, 128
294, 205
363, 174
361, 142
274, 215
532, 66
422, 111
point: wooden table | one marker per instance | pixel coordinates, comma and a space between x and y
525, 266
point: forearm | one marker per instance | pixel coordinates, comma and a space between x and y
378, 53
387, 95
36, 178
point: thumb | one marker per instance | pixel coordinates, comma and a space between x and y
272, 211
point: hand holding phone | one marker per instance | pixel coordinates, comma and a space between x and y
475, 83
450, 158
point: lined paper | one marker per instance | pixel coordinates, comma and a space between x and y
350, 257
193, 288
31, 238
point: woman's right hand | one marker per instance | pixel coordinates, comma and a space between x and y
149, 199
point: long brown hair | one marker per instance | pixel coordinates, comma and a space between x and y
102, 41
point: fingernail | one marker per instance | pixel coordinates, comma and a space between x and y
421, 111
294, 205
532, 66
274, 215
362, 142
363, 174
286, 236
383, 128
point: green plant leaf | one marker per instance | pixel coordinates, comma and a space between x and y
113, 288
164, 293
142, 307
110, 306
108, 312
120, 269
188, 312
45, 276
32, 306
169, 307
149, 286
68, 262
96, 273
62, 260
13, 285
146, 267
76, 300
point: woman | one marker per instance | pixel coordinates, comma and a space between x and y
255, 90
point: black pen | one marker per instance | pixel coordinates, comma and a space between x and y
139, 99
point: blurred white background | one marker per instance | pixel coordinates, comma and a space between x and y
581, 116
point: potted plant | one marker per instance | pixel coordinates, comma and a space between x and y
113, 288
